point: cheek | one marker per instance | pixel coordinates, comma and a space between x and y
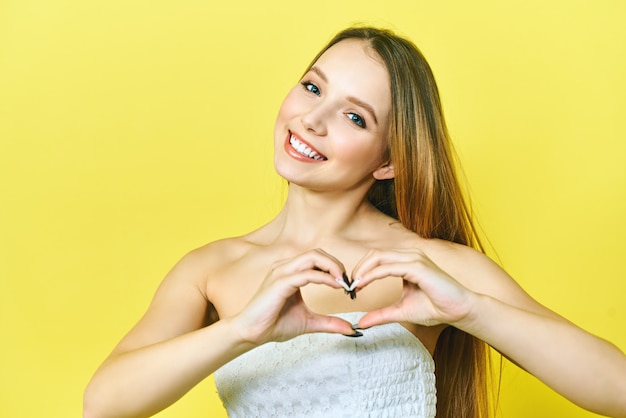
281, 118
288, 106
361, 148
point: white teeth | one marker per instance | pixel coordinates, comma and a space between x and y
304, 150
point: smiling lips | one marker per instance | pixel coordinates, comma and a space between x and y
302, 149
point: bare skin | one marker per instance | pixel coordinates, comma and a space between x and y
280, 281
488, 303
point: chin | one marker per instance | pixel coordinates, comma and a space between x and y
286, 174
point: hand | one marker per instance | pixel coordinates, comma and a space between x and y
277, 312
429, 295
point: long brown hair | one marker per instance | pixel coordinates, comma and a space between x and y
426, 198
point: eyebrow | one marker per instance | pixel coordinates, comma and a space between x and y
352, 99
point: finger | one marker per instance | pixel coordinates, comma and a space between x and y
406, 270
393, 314
330, 324
316, 259
377, 257
367, 262
386, 315
441, 288
328, 255
324, 261
294, 281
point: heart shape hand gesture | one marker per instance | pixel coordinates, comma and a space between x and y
277, 312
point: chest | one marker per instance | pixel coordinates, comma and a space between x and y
232, 286
235, 283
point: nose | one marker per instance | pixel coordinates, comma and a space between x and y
314, 119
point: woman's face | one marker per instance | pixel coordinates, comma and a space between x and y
331, 129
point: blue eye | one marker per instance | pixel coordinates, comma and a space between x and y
311, 87
358, 120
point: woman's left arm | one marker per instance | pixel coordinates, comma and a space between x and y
475, 295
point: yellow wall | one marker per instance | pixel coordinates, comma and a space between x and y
134, 131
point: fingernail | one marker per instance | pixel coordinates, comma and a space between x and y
346, 286
357, 331
354, 283
346, 280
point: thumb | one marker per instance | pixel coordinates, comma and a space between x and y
330, 324
381, 316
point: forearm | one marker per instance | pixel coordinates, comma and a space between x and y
585, 369
142, 382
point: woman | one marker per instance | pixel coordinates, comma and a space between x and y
374, 242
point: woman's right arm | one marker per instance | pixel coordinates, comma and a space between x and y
176, 345
170, 350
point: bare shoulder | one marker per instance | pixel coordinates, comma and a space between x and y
218, 253
462, 260
180, 303
229, 268
479, 273
470, 267
201, 264
464, 263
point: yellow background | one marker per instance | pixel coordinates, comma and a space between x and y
134, 131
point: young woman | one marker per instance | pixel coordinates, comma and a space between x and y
368, 280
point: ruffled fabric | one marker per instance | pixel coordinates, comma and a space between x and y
385, 373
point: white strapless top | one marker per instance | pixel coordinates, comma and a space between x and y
385, 373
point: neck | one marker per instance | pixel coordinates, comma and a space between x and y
311, 218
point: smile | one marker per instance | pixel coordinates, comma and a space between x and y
303, 149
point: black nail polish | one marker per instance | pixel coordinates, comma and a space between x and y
346, 280
357, 331
349, 282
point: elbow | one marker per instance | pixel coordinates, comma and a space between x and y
615, 404
88, 412
102, 400
95, 404
620, 408
90, 404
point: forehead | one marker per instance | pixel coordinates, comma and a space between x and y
355, 56
352, 66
